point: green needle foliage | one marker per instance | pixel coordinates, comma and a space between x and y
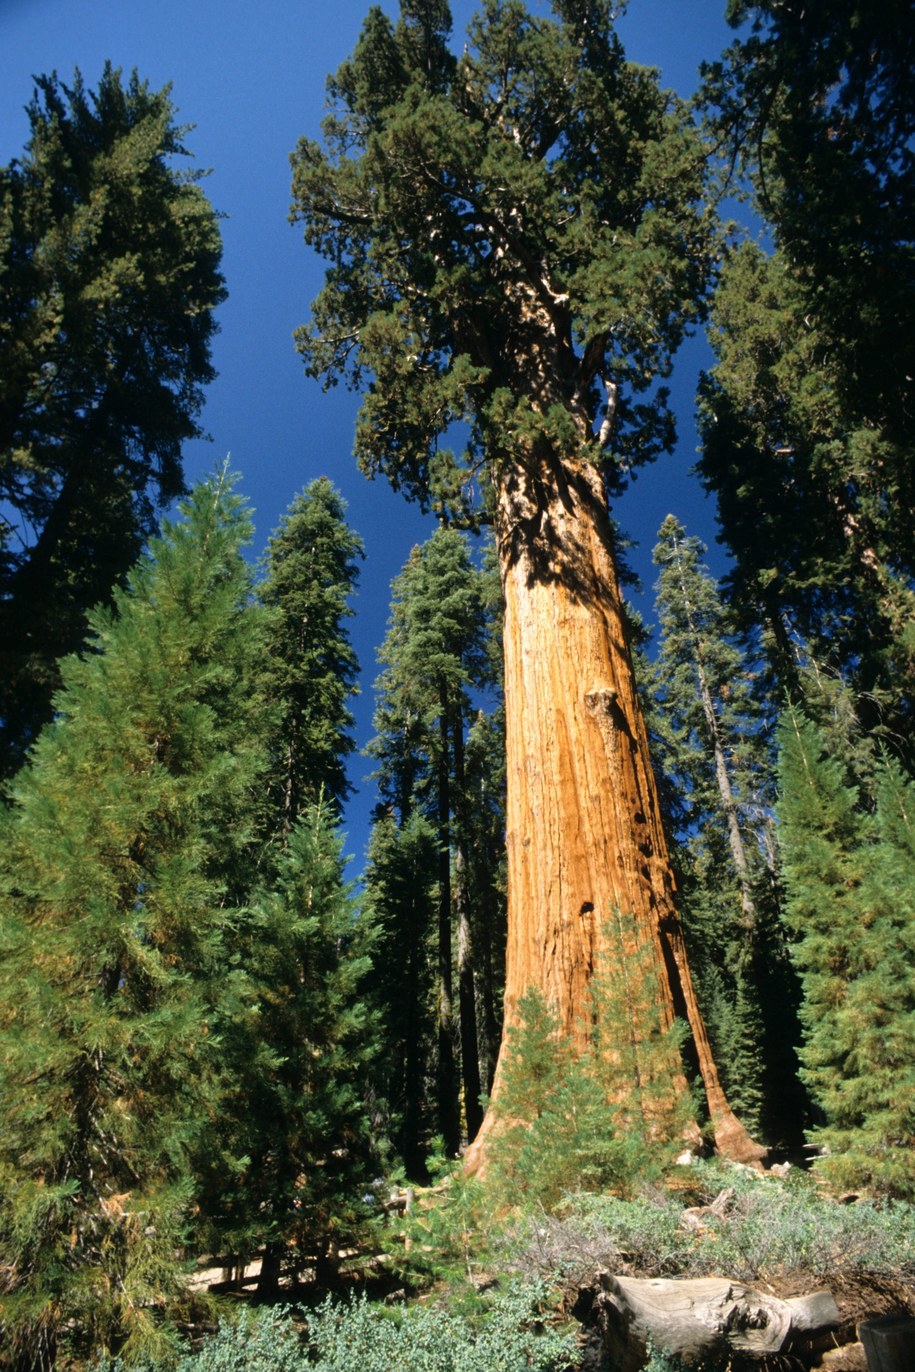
124, 855
712, 740
432, 751
850, 878
814, 105
511, 235
109, 276
401, 896
807, 415
311, 572
285, 1164
810, 500
556, 1132
603, 1120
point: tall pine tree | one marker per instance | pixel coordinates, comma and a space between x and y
109, 277
127, 850
400, 894
808, 412
436, 654
311, 573
712, 735
282, 1168
849, 876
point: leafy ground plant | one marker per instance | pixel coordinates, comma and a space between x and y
734, 1222
516, 1333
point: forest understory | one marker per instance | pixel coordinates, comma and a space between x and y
452, 1260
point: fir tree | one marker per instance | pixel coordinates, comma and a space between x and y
485, 877
807, 414
109, 277
436, 652
311, 572
606, 1119
636, 1052
556, 1135
284, 1166
127, 850
712, 735
401, 898
849, 876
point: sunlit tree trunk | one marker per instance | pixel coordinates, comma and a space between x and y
584, 834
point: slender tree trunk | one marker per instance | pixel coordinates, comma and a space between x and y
271, 1269
584, 833
414, 1057
722, 775
449, 1114
467, 1006
487, 921
728, 804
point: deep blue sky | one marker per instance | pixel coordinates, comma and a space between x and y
250, 77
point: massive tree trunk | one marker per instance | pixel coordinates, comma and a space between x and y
584, 833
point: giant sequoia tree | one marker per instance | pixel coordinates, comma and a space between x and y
517, 242
109, 274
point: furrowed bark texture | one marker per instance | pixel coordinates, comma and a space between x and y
583, 824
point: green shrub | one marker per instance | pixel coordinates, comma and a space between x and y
562, 1131
601, 1231
514, 1334
659, 1360
263, 1342
759, 1225
445, 1234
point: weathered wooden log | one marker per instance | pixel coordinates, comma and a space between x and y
702, 1316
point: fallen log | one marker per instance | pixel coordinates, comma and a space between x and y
696, 1317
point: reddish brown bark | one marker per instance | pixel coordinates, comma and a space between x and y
584, 834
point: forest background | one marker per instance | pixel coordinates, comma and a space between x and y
174, 920
252, 81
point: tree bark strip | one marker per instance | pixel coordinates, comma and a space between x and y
584, 833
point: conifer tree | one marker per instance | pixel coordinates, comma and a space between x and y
807, 414
126, 853
558, 1134
602, 1119
517, 239
485, 809
712, 741
311, 572
284, 1166
436, 652
809, 504
849, 877
109, 277
400, 896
